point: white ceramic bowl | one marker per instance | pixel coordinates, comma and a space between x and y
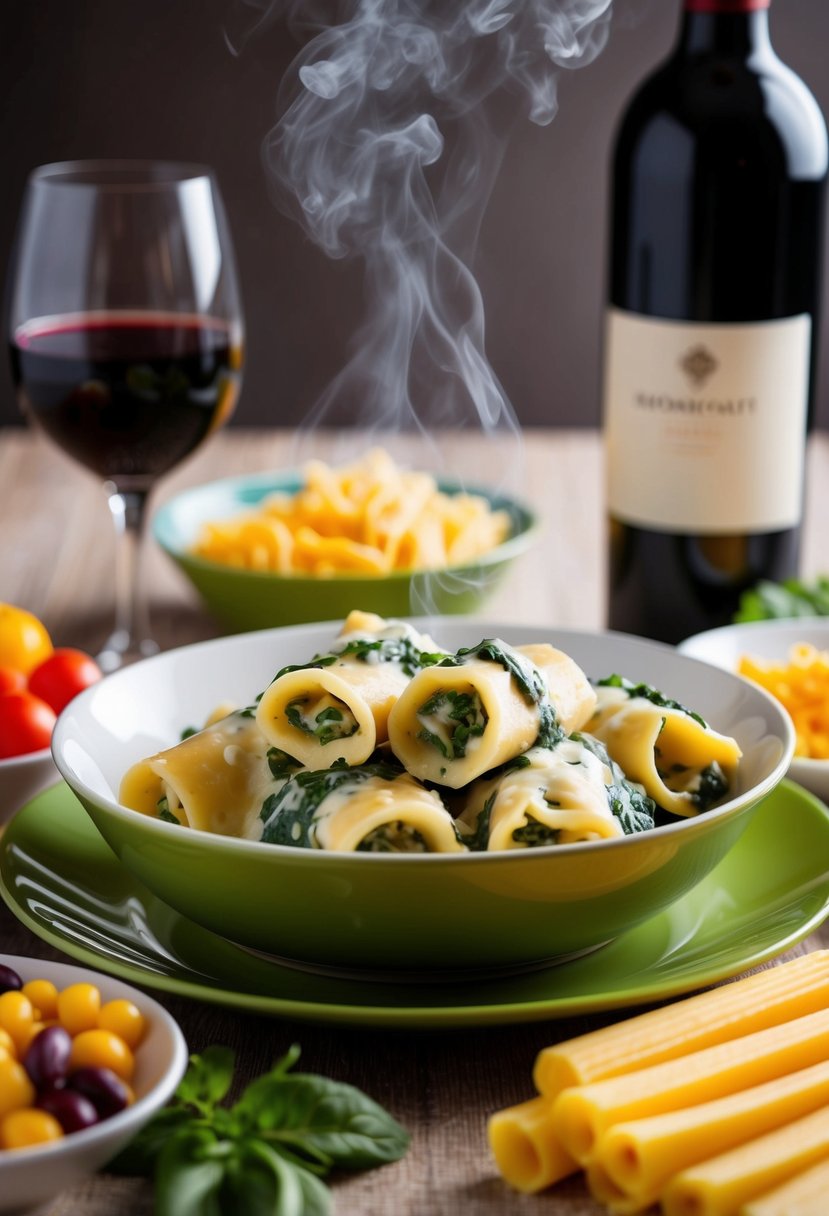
32, 1176
21, 777
771, 640
379, 911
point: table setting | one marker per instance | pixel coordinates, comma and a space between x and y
406, 807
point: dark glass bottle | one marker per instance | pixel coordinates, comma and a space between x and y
717, 210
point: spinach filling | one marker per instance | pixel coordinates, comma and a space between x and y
163, 811
400, 650
289, 813
525, 675
397, 837
635, 810
334, 721
648, 693
449, 719
532, 834
703, 786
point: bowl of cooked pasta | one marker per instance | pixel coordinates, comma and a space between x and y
789, 658
279, 548
437, 795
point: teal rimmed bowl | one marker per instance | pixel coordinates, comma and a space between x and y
251, 599
449, 914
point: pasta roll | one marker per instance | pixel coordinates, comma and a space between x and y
721, 1185
548, 796
683, 764
214, 781
483, 706
376, 808
337, 706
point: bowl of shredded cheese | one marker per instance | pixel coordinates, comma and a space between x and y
280, 548
790, 660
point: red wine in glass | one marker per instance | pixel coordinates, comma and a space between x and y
125, 330
129, 395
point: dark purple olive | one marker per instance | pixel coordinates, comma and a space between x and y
9, 980
72, 1110
47, 1057
106, 1091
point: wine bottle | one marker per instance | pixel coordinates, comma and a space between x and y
717, 205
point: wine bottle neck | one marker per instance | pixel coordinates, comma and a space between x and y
727, 28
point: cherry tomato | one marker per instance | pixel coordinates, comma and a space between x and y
24, 641
11, 680
62, 676
25, 724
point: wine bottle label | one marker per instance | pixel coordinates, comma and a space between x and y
705, 425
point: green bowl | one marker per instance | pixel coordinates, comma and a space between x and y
251, 599
447, 913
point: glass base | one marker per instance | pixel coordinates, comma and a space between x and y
120, 650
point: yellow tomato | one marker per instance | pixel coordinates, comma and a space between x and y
24, 642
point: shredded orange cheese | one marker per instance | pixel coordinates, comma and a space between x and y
370, 517
802, 687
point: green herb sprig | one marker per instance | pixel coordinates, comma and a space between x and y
265, 1155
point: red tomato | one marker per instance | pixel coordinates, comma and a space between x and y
62, 676
11, 680
25, 724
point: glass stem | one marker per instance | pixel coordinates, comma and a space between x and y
130, 639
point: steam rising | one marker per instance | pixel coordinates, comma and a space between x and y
386, 149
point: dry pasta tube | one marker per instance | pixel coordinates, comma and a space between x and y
803, 1195
721, 1186
525, 1147
766, 998
642, 1156
581, 1115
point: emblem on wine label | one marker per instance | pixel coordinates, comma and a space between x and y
698, 364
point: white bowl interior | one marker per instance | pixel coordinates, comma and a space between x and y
135, 712
21, 777
31, 1176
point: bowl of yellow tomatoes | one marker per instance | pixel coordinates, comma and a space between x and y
37, 680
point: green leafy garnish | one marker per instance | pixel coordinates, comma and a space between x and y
281, 764
163, 811
266, 1154
533, 833
791, 598
648, 693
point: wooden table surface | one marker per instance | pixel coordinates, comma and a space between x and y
56, 559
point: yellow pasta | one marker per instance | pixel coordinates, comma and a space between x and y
370, 517
525, 1146
766, 998
582, 1114
720, 1186
640, 1157
522, 1137
803, 1195
801, 685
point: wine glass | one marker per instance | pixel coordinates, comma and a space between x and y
126, 337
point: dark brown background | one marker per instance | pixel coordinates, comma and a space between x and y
154, 78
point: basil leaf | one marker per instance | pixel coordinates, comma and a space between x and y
208, 1078
313, 1115
189, 1175
258, 1182
139, 1156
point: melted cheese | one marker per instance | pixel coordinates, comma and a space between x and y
562, 789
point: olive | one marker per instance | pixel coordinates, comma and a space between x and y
9, 979
72, 1110
106, 1091
47, 1057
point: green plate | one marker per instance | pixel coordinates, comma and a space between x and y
60, 878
